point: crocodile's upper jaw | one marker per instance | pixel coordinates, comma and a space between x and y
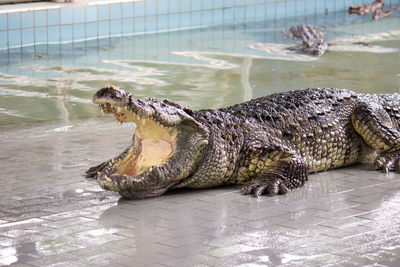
159, 145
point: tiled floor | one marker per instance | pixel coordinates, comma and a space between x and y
51, 215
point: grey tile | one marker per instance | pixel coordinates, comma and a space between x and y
75, 228
342, 223
184, 240
197, 260
349, 231
148, 249
241, 259
184, 251
57, 259
151, 259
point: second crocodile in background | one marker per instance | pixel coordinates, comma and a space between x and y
269, 144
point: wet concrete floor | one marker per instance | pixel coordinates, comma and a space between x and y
51, 215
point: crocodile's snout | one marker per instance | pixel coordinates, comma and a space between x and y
166, 148
111, 92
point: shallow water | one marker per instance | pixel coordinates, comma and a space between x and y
201, 68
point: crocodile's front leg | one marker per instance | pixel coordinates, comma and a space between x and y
374, 125
274, 171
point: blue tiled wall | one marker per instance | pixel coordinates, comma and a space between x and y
76, 23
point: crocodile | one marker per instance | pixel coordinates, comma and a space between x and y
311, 38
363, 10
376, 8
269, 145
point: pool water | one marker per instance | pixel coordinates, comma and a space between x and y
202, 68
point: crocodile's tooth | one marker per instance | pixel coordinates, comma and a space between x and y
143, 121
119, 109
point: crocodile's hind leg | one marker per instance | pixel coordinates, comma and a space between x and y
275, 171
374, 125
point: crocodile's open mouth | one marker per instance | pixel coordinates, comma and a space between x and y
154, 143
168, 144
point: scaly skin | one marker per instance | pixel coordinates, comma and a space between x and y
375, 8
269, 144
363, 10
311, 38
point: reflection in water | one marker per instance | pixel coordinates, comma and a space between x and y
143, 75
211, 62
282, 52
13, 113
360, 47
371, 37
289, 258
9, 256
18, 230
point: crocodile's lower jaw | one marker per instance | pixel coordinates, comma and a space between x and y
154, 144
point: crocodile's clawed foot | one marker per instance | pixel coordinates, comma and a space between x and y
389, 161
272, 185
